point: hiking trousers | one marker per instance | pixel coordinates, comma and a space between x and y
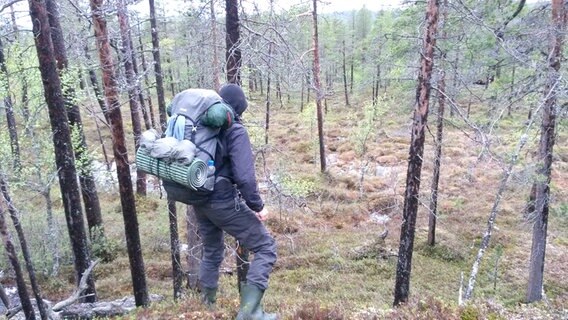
239, 221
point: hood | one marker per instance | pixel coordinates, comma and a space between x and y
235, 97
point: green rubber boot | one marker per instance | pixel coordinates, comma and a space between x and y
251, 308
209, 296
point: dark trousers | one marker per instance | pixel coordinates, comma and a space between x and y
241, 222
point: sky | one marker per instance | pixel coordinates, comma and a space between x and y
176, 6
324, 6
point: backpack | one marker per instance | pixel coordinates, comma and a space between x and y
198, 116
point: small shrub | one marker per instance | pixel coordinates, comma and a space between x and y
469, 313
561, 213
102, 247
441, 252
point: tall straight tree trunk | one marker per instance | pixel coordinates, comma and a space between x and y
137, 85
23, 76
345, 76
24, 246
174, 247
455, 79
308, 86
133, 101
547, 132
216, 77
318, 88
10, 118
433, 215
233, 54
13, 257
86, 179
279, 92
171, 75
64, 159
158, 68
377, 84
439, 137
195, 249
94, 82
146, 80
302, 96
233, 62
404, 265
114, 117
267, 118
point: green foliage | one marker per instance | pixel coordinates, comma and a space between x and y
256, 134
102, 247
441, 252
297, 186
469, 313
560, 213
368, 125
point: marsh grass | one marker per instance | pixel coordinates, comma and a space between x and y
320, 221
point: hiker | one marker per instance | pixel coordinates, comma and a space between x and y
236, 207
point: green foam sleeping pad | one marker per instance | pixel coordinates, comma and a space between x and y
192, 176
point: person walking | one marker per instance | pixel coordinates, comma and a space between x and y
235, 207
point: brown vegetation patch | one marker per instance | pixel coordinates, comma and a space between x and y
313, 311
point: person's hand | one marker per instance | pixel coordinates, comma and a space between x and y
263, 214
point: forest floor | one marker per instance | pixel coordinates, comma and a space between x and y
333, 262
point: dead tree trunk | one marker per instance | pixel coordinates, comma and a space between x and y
437, 161
171, 75
86, 179
267, 118
146, 80
114, 116
174, 247
158, 68
94, 81
547, 133
319, 91
62, 143
138, 88
23, 245
233, 62
216, 77
352, 58
233, 54
493, 215
10, 119
404, 265
345, 75
377, 85
132, 92
13, 257
439, 136
194, 249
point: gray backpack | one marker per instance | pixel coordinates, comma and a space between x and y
197, 115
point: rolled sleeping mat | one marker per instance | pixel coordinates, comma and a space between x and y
192, 176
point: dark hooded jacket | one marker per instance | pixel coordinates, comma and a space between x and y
237, 158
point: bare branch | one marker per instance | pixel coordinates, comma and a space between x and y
9, 4
77, 294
